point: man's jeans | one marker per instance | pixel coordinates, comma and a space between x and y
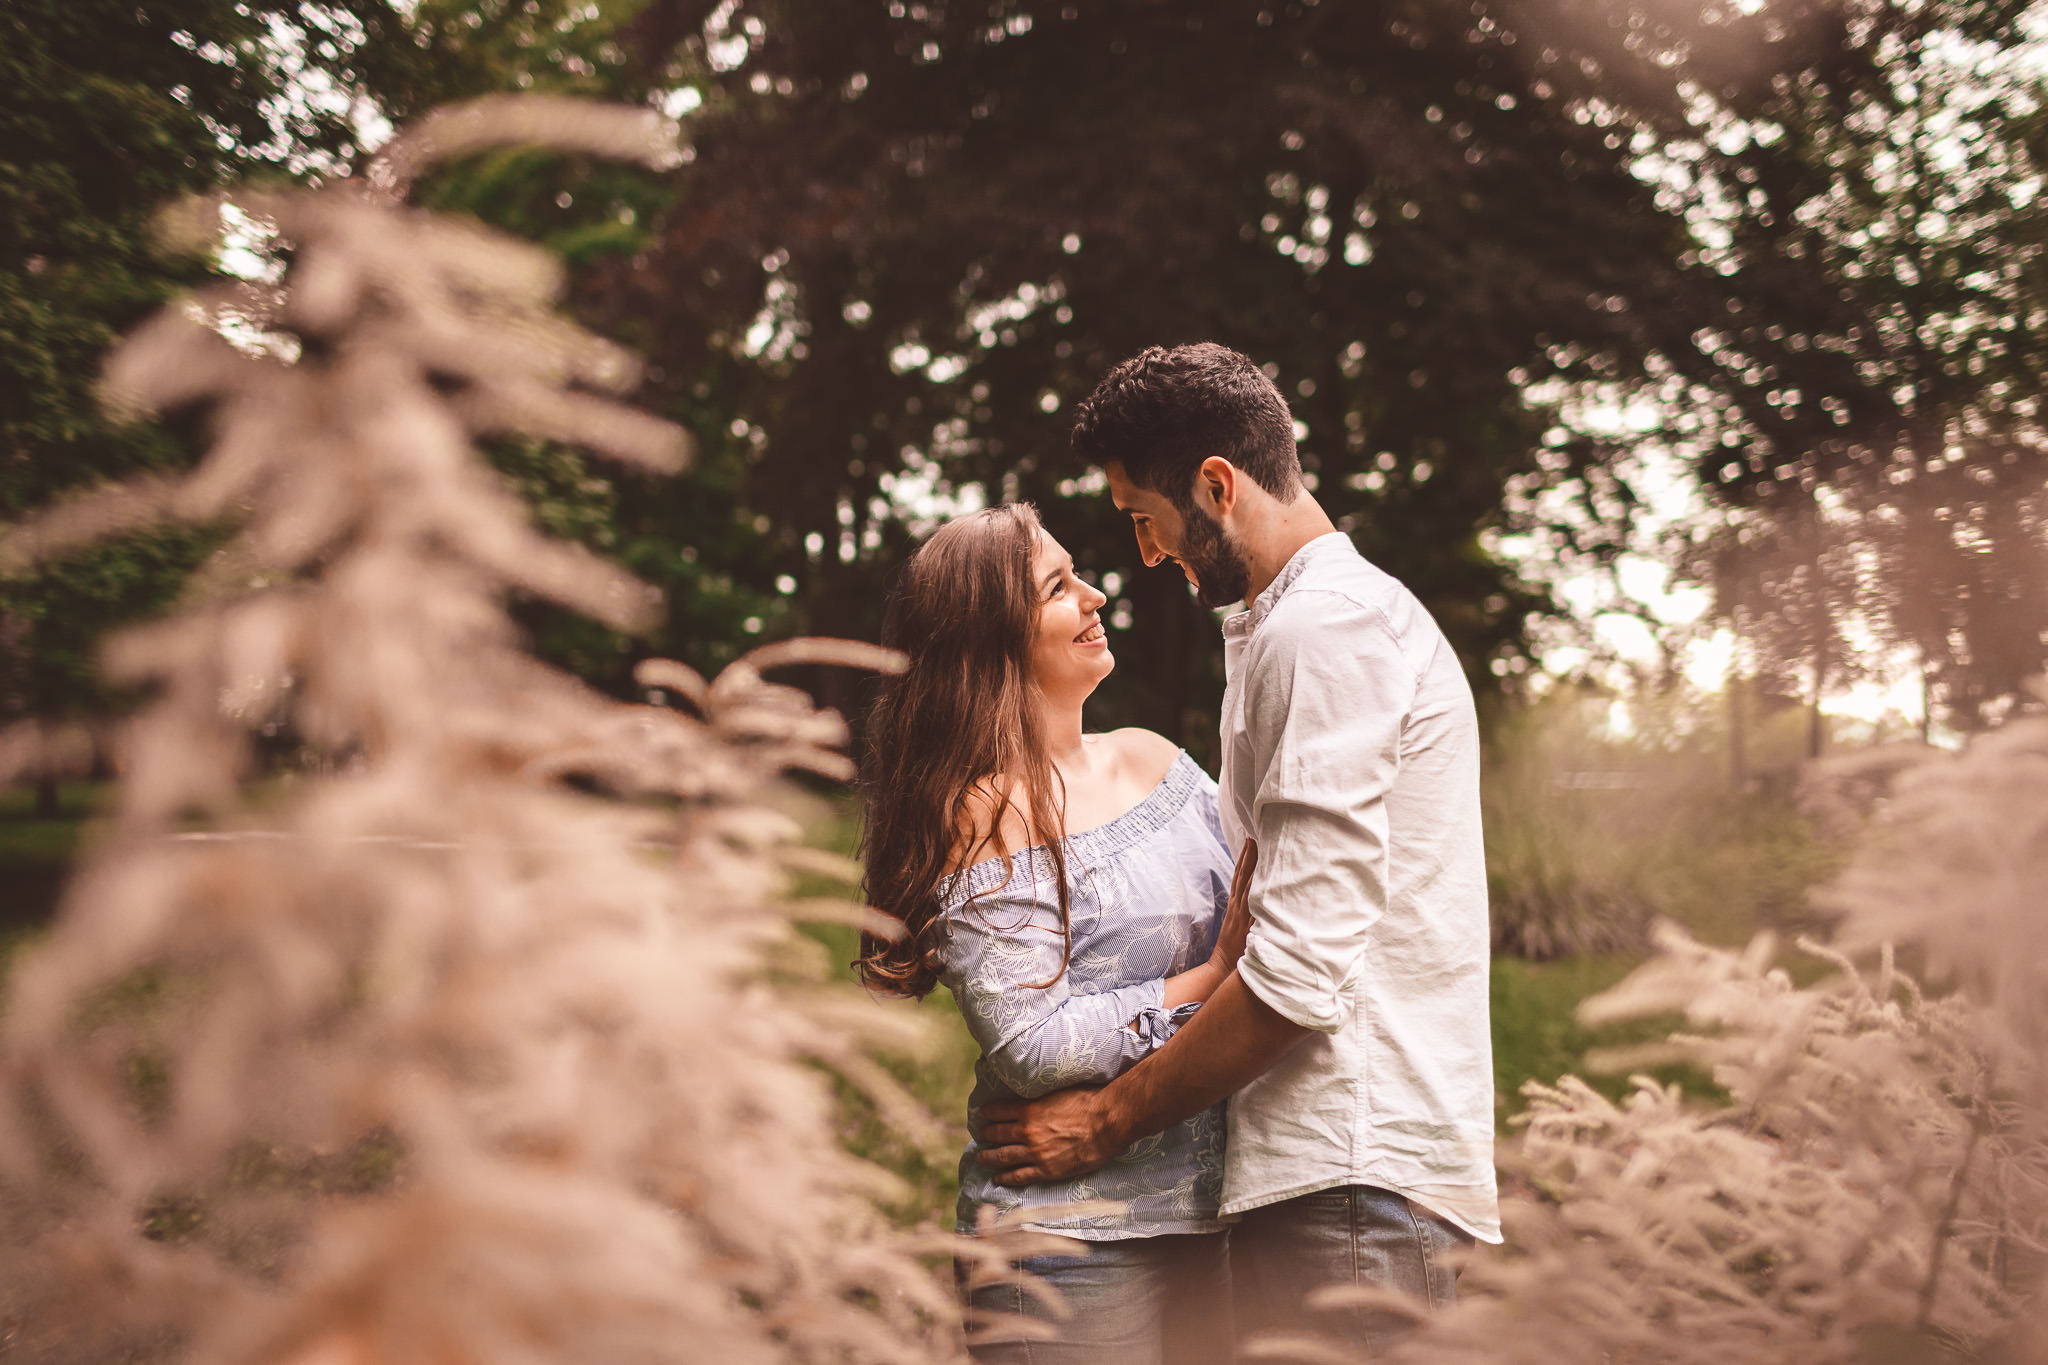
1140, 1301
1350, 1235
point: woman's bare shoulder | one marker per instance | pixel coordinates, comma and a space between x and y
1144, 755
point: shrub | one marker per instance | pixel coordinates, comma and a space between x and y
1591, 836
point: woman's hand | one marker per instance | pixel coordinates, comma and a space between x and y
1237, 915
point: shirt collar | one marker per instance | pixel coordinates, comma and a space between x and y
1247, 621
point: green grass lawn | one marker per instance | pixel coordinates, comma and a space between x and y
1537, 1038
35, 855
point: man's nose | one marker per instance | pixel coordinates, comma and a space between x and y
1148, 548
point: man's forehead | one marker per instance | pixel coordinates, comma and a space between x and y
1122, 492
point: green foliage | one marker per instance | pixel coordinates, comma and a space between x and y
939, 1078
65, 610
92, 139
919, 234
695, 542
713, 554
35, 858
859, 291
173, 1217
109, 109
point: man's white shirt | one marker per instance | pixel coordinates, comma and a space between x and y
1351, 753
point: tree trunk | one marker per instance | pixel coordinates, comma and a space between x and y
1926, 701
1816, 723
1738, 730
49, 805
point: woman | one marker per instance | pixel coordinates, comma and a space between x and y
1072, 891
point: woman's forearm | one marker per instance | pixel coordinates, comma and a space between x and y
1231, 1042
1195, 985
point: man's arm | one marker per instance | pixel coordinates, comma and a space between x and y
1230, 1042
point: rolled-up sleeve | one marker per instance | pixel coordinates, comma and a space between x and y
1324, 727
1002, 950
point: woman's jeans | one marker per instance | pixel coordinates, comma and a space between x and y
1140, 1301
1350, 1235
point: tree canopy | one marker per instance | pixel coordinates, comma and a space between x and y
921, 232
912, 235
1850, 362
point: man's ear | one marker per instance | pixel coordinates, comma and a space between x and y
1216, 485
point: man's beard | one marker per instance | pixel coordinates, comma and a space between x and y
1216, 559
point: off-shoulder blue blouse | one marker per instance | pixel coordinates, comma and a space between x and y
1146, 892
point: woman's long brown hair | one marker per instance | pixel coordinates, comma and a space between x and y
958, 724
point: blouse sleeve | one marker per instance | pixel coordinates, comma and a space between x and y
1038, 1035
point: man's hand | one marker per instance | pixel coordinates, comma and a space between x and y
1236, 924
1056, 1137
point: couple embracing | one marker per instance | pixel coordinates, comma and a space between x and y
1279, 1068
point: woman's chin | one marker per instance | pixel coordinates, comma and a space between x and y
1096, 668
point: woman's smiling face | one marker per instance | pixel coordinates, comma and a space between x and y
1071, 650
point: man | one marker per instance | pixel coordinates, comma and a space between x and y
1353, 1037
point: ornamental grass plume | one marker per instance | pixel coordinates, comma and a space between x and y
469, 1047
1876, 1187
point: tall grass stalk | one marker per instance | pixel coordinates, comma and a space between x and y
463, 1048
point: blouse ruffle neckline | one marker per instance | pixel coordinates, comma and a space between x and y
1134, 826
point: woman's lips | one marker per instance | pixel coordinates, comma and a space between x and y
1094, 635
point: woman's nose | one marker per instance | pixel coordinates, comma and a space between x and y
1098, 594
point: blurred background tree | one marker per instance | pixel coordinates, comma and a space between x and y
108, 110
921, 231
1854, 380
928, 229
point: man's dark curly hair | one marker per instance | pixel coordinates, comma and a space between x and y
1162, 412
